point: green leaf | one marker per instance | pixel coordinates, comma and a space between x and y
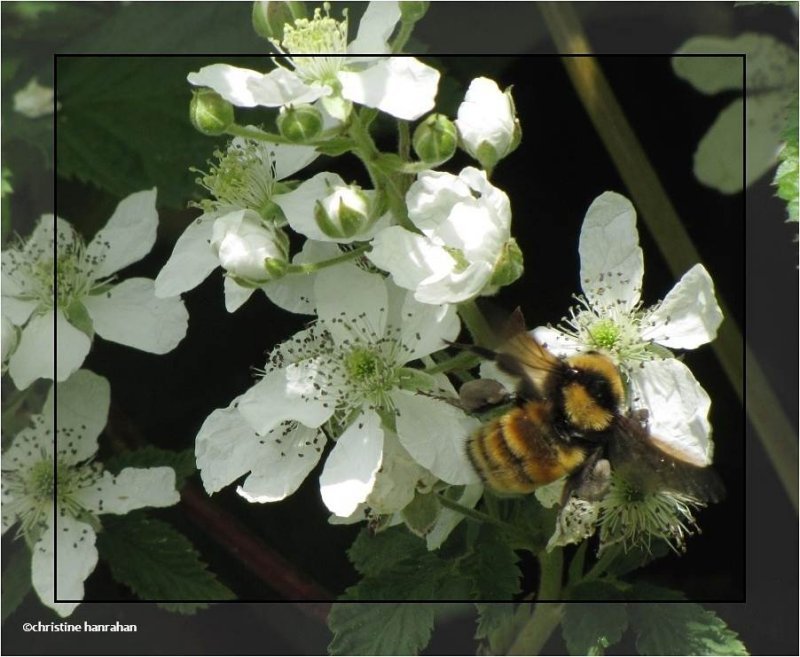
124, 125
682, 629
155, 561
150, 457
388, 628
588, 629
373, 553
771, 82
16, 579
492, 567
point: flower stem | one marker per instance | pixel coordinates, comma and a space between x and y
257, 134
662, 220
475, 515
406, 28
311, 267
476, 323
462, 361
546, 615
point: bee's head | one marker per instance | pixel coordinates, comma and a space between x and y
592, 392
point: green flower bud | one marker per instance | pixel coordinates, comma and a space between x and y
435, 139
412, 10
249, 249
270, 16
509, 266
345, 212
210, 113
299, 124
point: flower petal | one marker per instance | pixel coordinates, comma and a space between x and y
408, 257
286, 394
291, 158
295, 292
230, 82
224, 448
34, 357
351, 467
396, 482
77, 558
235, 294
16, 309
424, 328
278, 468
352, 304
127, 236
131, 314
612, 264
375, 28
435, 433
192, 259
401, 86
132, 488
281, 87
298, 205
83, 403
678, 408
556, 341
457, 287
689, 315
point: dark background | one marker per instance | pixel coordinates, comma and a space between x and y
551, 179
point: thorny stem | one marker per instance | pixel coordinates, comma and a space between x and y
763, 407
311, 267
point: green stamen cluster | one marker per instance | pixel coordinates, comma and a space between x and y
316, 36
636, 518
243, 177
369, 372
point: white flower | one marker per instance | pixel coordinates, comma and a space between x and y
34, 100
324, 66
246, 177
324, 208
466, 229
249, 248
348, 372
10, 338
487, 122
67, 526
611, 319
73, 295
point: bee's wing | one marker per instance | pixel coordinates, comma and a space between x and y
521, 355
652, 464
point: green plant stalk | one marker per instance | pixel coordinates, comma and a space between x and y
546, 616
472, 513
663, 222
311, 267
257, 134
463, 361
478, 327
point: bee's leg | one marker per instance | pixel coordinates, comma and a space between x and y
591, 481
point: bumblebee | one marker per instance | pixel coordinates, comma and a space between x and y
568, 420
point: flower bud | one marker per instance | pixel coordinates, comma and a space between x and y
435, 139
412, 10
345, 212
299, 124
509, 266
210, 113
487, 124
252, 251
269, 17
